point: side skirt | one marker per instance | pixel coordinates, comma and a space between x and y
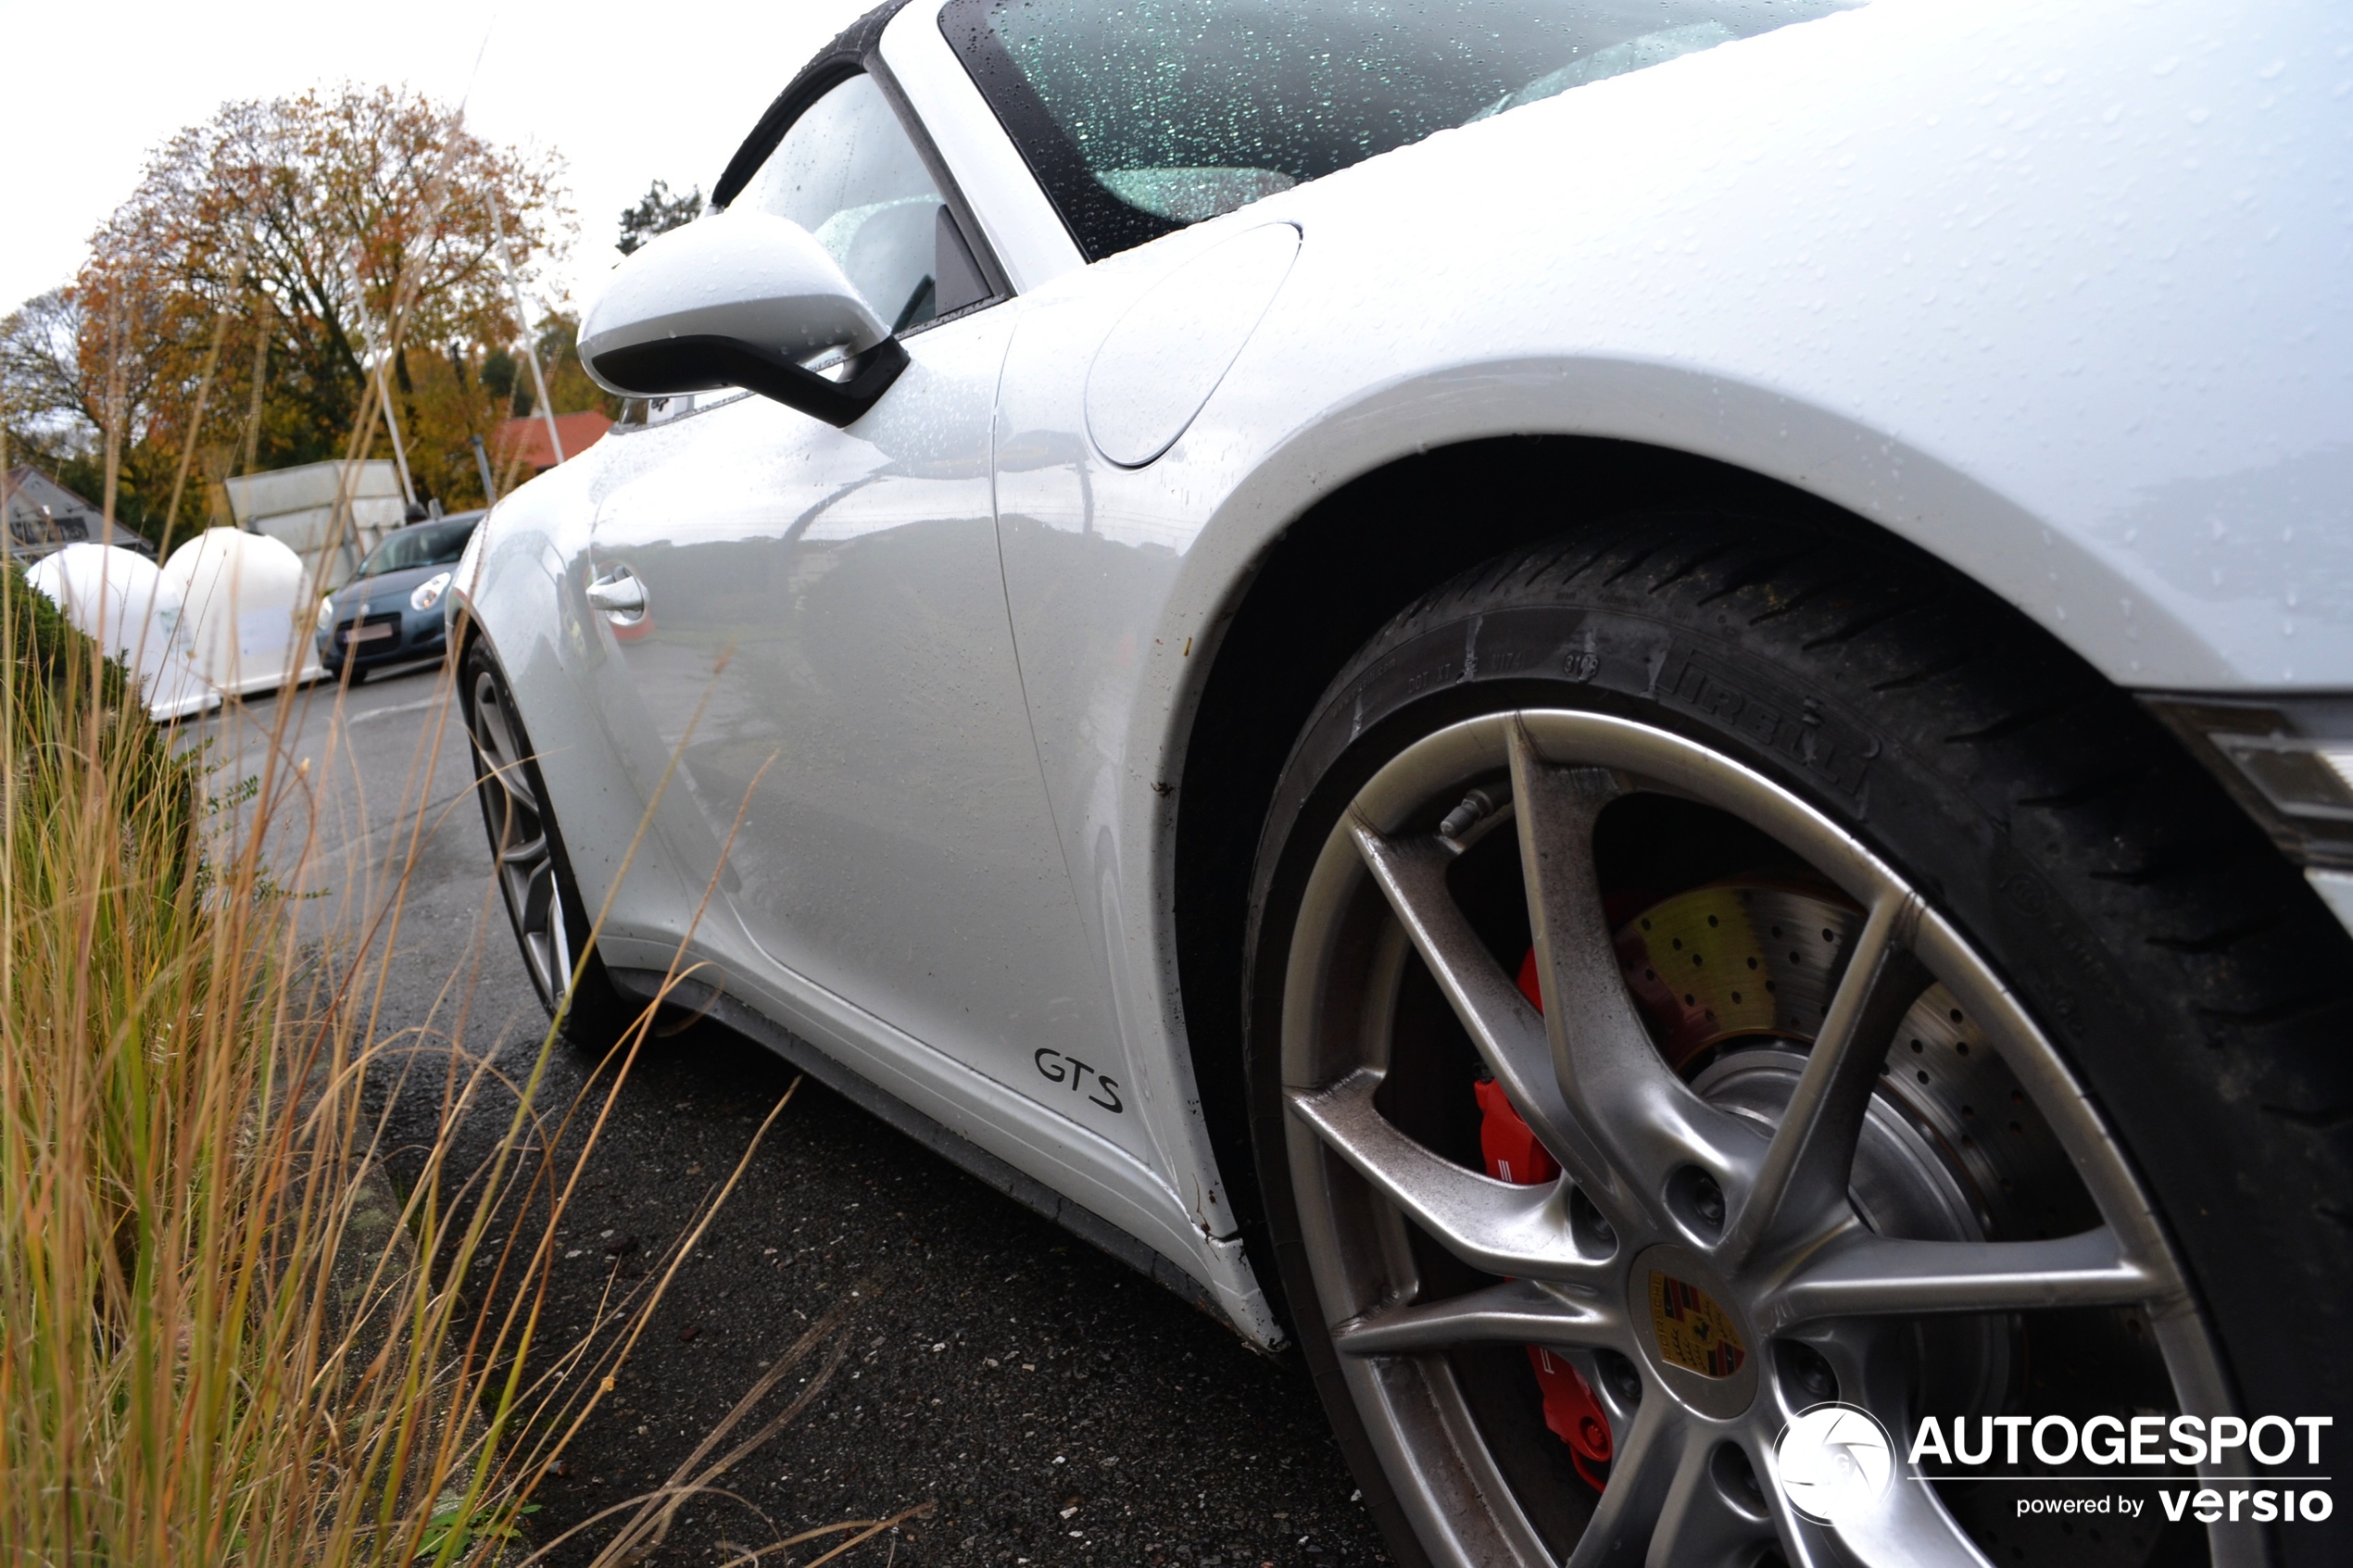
694, 996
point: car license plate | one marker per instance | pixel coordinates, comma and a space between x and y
367, 633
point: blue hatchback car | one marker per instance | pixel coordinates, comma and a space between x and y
390, 611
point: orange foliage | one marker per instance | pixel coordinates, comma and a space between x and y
298, 218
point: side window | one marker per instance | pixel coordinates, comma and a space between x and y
846, 173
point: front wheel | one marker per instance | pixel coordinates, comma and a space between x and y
527, 854
1713, 974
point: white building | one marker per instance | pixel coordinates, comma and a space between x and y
43, 517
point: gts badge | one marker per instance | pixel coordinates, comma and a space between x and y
1056, 1068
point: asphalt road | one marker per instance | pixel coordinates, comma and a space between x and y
1050, 1405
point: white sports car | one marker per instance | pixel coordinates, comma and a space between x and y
1631, 715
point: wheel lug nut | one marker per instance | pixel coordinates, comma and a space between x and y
1737, 1477
1699, 1197
1619, 1374
1806, 1374
1586, 1223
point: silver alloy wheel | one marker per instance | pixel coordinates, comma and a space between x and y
519, 838
1752, 1209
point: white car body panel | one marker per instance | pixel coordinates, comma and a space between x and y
1158, 365
2053, 293
827, 659
805, 582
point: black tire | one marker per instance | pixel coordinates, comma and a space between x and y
591, 1014
2186, 973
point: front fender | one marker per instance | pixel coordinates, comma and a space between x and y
2043, 290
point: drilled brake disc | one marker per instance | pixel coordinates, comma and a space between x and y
1746, 965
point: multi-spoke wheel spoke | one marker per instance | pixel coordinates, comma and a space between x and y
508, 778
560, 953
1907, 1528
1860, 1274
1801, 1186
1508, 1033
1514, 1313
1621, 1091
524, 852
538, 904
1642, 1474
1491, 1226
1703, 1520
495, 739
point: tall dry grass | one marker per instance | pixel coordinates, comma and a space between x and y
223, 1339
218, 1341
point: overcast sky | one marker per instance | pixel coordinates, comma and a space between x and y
627, 93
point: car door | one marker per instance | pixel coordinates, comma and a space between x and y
825, 648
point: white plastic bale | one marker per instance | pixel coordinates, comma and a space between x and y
248, 612
134, 613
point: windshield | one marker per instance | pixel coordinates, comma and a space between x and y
428, 544
1142, 116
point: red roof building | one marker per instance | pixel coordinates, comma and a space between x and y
526, 439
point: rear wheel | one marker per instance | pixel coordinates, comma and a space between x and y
534, 876
1810, 950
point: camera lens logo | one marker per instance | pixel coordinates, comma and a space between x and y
1835, 1463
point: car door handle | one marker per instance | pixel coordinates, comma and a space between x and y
621, 593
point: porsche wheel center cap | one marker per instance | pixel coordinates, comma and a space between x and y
1694, 1337
1694, 1332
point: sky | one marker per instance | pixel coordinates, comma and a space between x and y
627, 93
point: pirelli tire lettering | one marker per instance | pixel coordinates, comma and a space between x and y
1056, 1068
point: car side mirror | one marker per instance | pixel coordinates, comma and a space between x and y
738, 299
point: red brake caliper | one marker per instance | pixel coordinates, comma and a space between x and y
1513, 1155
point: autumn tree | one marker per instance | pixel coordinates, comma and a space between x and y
52, 412
81, 378
267, 243
657, 212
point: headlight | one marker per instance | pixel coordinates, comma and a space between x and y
326, 612
2289, 762
429, 592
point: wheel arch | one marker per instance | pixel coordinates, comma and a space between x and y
1323, 583
1317, 591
